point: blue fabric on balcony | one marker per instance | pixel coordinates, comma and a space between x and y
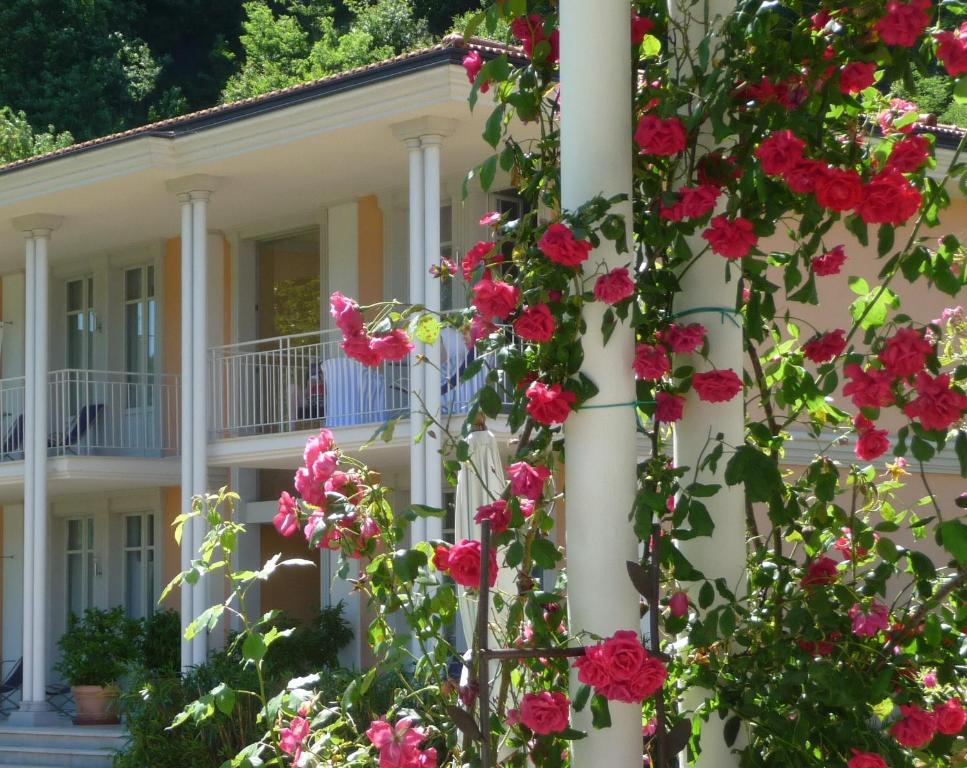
354, 394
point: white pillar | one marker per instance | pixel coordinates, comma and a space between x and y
721, 555
187, 433
433, 441
417, 296
199, 415
600, 443
34, 709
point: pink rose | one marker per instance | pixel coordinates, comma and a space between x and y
952, 50
830, 262
530, 31
678, 604
480, 328
535, 323
889, 199
490, 219
392, 346
903, 22
824, 348
399, 746
871, 443
473, 63
820, 572
545, 712
650, 363
683, 339
871, 388
558, 244
495, 299
865, 760
857, 76
359, 348
527, 480
620, 669
549, 405
462, 562
497, 513
716, 386
780, 152
668, 407
916, 728
614, 286
291, 737
909, 154
838, 189
310, 491
905, 353
286, 520
868, 624
317, 444
898, 108
951, 717
323, 466
662, 137
731, 239
937, 405
346, 313
475, 257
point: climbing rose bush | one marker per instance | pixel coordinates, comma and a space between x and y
775, 150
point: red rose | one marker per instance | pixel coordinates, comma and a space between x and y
346, 313
392, 346
780, 152
838, 189
473, 63
951, 717
716, 386
731, 239
620, 669
870, 388
530, 31
286, 520
695, 202
898, 109
903, 22
802, 176
640, 26
905, 353
857, 76
527, 480
662, 137
668, 407
865, 760
535, 324
909, 154
476, 255
650, 363
497, 513
937, 405
549, 404
829, 263
820, 572
678, 604
824, 348
889, 199
545, 712
359, 347
494, 298
916, 728
872, 443
952, 50
559, 245
614, 286
683, 339
462, 561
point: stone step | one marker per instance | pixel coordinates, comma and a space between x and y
66, 746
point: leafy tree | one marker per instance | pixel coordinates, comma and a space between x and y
18, 140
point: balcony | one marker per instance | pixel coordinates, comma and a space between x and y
305, 381
97, 413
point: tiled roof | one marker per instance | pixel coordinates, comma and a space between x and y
450, 50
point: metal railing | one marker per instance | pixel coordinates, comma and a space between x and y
306, 381
98, 413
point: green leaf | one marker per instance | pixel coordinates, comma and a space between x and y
427, 329
650, 46
884, 239
960, 90
254, 647
871, 310
731, 730
859, 286
600, 713
488, 170
407, 563
490, 402
584, 693
706, 595
544, 553
960, 446
492, 129
758, 472
952, 536
224, 699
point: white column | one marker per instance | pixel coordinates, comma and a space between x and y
187, 433
29, 446
600, 443
721, 555
199, 415
433, 441
417, 296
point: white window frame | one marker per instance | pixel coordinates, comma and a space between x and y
149, 566
88, 320
87, 552
146, 301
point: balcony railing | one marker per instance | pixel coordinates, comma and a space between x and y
98, 413
305, 381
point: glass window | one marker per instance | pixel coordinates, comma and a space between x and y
140, 332
140, 588
80, 565
80, 323
289, 289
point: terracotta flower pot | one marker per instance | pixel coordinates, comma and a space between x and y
96, 705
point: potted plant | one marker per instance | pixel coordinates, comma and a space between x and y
96, 650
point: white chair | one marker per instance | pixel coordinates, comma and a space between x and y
354, 393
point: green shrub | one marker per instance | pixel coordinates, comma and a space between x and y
161, 643
97, 648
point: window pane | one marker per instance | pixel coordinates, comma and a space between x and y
75, 341
150, 531
150, 281
132, 337
133, 584
90, 580
132, 284
75, 535
149, 576
446, 224
75, 584
132, 536
75, 295
152, 335
90, 533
